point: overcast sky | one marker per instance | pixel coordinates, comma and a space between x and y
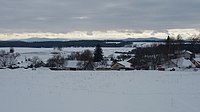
97, 15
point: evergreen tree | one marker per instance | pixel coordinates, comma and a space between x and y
168, 46
98, 54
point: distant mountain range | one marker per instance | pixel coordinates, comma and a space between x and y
143, 39
37, 39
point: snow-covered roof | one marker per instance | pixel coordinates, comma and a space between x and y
130, 59
188, 52
125, 63
72, 63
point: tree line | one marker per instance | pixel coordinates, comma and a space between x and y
78, 43
9, 58
158, 54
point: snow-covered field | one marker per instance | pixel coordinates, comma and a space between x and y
43, 90
45, 53
99, 91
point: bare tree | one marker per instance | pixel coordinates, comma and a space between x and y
86, 55
179, 42
56, 61
7, 58
3, 58
12, 58
74, 56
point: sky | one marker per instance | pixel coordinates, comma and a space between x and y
98, 18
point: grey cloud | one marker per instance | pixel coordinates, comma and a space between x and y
70, 15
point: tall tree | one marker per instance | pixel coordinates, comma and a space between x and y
98, 54
179, 42
168, 49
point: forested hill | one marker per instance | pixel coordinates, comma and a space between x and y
78, 43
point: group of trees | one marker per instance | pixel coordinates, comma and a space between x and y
154, 55
85, 56
36, 62
162, 53
8, 58
73, 43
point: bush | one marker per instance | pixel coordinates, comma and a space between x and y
7, 58
37, 62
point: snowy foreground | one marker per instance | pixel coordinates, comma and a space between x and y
99, 91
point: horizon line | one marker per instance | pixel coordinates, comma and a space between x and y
110, 34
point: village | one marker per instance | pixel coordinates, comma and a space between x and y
94, 59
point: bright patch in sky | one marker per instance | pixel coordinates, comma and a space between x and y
185, 33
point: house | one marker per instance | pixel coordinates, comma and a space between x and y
117, 66
188, 55
102, 66
73, 65
131, 60
121, 65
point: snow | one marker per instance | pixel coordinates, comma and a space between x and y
125, 63
45, 53
43, 90
189, 52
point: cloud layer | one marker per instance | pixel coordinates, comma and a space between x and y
88, 15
